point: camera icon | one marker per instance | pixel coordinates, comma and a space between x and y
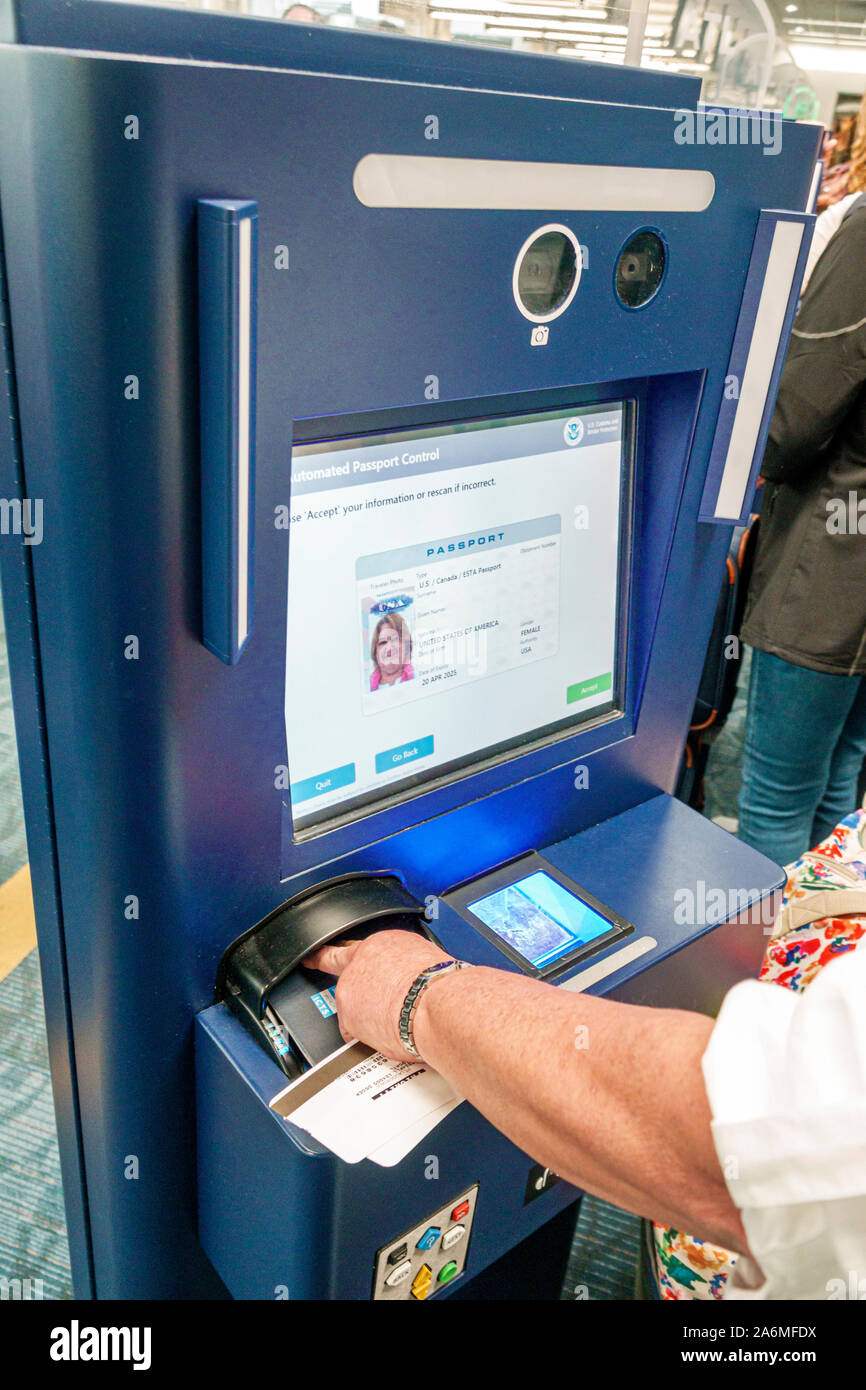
539, 336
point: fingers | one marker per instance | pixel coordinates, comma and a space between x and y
333, 958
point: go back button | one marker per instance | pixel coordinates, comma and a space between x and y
404, 753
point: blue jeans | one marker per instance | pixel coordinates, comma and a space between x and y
804, 748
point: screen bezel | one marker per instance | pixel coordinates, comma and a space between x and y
375, 426
462, 898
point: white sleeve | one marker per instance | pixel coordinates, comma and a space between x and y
826, 227
786, 1081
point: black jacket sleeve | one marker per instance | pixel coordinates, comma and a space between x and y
825, 369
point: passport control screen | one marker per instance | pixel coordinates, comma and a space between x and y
454, 593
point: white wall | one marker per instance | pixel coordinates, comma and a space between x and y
831, 70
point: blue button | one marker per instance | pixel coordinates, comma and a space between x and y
325, 782
429, 1238
406, 753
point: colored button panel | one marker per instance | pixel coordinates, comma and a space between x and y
422, 1282
405, 753
429, 1238
453, 1237
309, 787
399, 1275
597, 686
434, 1248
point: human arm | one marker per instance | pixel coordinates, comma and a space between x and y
609, 1095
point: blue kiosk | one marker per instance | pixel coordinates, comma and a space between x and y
374, 418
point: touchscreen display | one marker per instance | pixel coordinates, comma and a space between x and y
453, 593
539, 919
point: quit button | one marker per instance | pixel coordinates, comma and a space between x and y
309, 787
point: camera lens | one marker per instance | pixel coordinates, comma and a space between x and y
546, 273
640, 269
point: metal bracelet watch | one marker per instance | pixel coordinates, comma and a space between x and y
417, 988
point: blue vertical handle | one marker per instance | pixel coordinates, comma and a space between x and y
227, 239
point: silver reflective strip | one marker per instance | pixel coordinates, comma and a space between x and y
763, 349
602, 968
243, 473
429, 181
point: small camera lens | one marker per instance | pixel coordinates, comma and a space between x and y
547, 274
640, 269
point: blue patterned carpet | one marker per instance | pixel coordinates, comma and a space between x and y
32, 1224
604, 1254
13, 845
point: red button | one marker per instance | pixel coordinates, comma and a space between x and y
460, 1210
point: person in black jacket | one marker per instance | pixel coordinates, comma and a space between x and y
806, 612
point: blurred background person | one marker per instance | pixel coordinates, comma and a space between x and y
805, 739
845, 174
302, 14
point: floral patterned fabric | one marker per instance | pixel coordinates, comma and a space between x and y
687, 1267
823, 916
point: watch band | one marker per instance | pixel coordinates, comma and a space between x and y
416, 989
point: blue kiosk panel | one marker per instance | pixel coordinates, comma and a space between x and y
157, 776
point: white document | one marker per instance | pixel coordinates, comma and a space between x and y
360, 1104
397, 1148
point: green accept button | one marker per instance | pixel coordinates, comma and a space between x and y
583, 689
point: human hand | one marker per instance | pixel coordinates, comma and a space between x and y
374, 977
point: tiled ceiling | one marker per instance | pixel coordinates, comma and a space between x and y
822, 21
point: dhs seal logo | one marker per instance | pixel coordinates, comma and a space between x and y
573, 431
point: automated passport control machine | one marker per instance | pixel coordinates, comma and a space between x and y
375, 417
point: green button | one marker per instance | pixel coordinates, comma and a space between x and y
596, 686
447, 1272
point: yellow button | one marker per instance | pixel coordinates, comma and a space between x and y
422, 1281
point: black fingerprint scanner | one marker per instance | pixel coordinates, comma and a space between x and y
287, 1007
